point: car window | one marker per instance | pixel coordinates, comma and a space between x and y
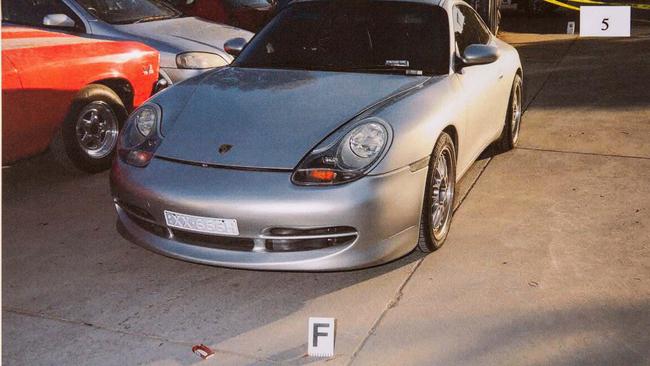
129, 11
368, 36
468, 28
32, 12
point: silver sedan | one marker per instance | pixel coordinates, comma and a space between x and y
334, 141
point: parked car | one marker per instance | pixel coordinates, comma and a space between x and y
187, 45
85, 87
334, 141
247, 14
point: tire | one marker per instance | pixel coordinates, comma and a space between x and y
438, 202
512, 125
91, 128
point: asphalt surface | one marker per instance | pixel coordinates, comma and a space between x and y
547, 262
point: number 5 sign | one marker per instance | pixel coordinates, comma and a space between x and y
605, 21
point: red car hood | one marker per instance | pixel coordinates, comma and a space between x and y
21, 37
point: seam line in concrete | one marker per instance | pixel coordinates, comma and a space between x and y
391, 304
471, 187
583, 153
119, 331
398, 294
548, 77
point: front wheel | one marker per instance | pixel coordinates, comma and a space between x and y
439, 195
91, 129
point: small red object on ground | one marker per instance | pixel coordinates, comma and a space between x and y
203, 351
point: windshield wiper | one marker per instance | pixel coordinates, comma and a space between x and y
387, 68
154, 18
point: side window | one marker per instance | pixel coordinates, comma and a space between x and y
468, 28
32, 12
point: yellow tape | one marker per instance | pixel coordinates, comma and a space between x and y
636, 6
588, 2
555, 2
593, 2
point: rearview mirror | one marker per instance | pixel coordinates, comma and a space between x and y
58, 20
480, 54
235, 46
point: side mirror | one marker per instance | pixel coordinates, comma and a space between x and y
58, 20
235, 46
480, 54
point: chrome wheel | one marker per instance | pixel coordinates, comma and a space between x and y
442, 191
516, 113
97, 129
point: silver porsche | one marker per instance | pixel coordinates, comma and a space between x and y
334, 141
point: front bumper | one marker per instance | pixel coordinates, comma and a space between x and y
384, 210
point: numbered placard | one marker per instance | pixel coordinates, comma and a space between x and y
605, 21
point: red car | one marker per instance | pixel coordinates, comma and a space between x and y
86, 87
251, 15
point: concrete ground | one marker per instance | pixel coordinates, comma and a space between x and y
547, 262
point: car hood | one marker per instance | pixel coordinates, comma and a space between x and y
184, 34
270, 118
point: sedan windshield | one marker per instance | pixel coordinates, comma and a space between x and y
249, 3
129, 11
361, 36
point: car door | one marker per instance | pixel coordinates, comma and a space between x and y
479, 82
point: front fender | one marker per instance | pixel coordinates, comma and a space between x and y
417, 119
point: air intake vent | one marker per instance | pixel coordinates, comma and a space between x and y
296, 240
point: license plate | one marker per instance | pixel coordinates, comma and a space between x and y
198, 224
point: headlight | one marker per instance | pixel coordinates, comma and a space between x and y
363, 144
145, 120
346, 155
141, 136
199, 60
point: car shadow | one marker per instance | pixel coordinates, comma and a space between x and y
63, 258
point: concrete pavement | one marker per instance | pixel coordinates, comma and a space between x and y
552, 261
547, 262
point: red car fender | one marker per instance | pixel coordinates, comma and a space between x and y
52, 68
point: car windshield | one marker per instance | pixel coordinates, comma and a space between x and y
129, 11
249, 3
361, 36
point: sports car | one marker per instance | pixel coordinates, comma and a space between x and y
334, 141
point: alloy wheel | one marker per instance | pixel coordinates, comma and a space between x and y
97, 129
442, 191
515, 123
